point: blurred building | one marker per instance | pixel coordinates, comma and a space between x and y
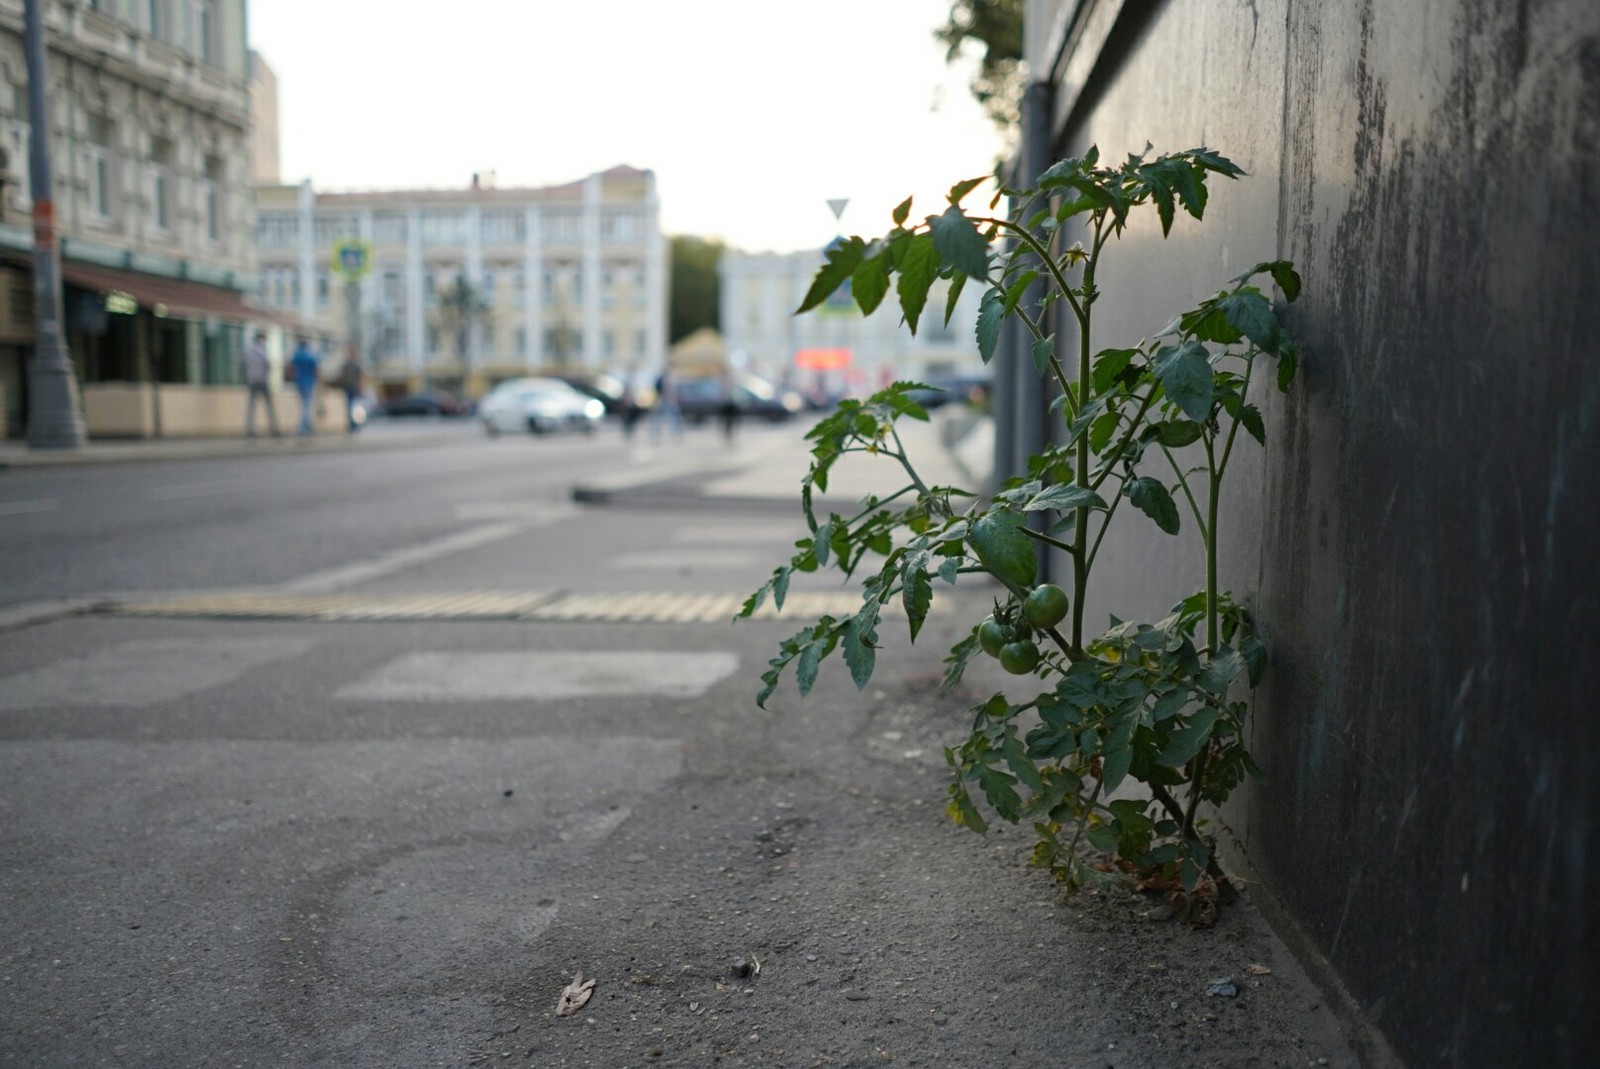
834, 348
150, 160
263, 122
458, 289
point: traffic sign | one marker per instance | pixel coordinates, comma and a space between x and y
352, 259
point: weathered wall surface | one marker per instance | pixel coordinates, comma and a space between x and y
1418, 538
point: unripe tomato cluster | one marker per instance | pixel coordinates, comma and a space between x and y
1008, 634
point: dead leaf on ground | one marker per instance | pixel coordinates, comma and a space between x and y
574, 995
1258, 970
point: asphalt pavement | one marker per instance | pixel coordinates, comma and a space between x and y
383, 815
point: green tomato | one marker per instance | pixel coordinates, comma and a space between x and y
991, 636
1019, 658
1045, 606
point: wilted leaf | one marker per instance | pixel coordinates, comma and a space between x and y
574, 995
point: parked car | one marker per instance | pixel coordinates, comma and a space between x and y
954, 389
425, 403
702, 399
605, 388
539, 405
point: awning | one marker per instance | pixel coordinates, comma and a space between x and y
180, 298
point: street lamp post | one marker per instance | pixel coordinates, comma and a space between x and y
54, 421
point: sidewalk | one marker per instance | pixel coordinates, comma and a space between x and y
379, 434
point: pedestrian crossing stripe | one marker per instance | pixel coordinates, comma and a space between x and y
539, 606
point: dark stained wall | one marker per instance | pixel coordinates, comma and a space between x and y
1421, 537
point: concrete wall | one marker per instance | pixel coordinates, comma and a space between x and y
128, 410
1416, 539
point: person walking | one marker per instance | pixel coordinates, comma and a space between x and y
304, 365
667, 410
257, 374
350, 378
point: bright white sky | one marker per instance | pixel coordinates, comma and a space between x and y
752, 113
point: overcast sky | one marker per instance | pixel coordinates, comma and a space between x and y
752, 113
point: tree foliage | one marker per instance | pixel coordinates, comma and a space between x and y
696, 290
995, 26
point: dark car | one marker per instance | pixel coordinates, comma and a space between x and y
607, 389
426, 403
953, 389
703, 399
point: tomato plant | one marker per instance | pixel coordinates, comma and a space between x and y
1151, 425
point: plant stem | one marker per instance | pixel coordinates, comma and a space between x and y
1213, 493
1080, 562
1183, 481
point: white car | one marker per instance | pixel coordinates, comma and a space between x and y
539, 405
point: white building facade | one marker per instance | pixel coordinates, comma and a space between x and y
147, 108
569, 277
834, 348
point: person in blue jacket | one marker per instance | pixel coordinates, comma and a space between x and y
303, 365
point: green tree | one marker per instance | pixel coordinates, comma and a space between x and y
696, 291
462, 307
996, 27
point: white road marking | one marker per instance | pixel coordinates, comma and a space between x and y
529, 676
671, 559
757, 531
401, 559
17, 508
144, 672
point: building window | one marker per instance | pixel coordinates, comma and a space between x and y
156, 19
277, 231
608, 342
334, 228
488, 288
161, 183
389, 229
442, 229
101, 135
322, 289
211, 199
205, 31
520, 337
392, 293
519, 289
502, 228
638, 342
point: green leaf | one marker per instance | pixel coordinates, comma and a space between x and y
961, 810
954, 296
1018, 761
1018, 288
810, 658
1109, 364
958, 241
1161, 193
1177, 433
991, 316
950, 570
1003, 548
1043, 350
919, 266
916, 591
1063, 497
1169, 704
870, 283
842, 260
859, 645
955, 662
1255, 657
998, 789
1185, 373
1220, 671
1187, 741
1251, 314
822, 541
1212, 161
1104, 837
902, 212
1150, 497
965, 186
1118, 754
1250, 416
1287, 278
1288, 361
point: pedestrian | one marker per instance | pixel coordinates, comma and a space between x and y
667, 410
632, 405
257, 374
350, 378
303, 365
729, 408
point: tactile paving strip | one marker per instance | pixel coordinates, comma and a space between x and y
643, 607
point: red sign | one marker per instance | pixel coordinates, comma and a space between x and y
823, 359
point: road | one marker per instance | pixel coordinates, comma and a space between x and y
366, 754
